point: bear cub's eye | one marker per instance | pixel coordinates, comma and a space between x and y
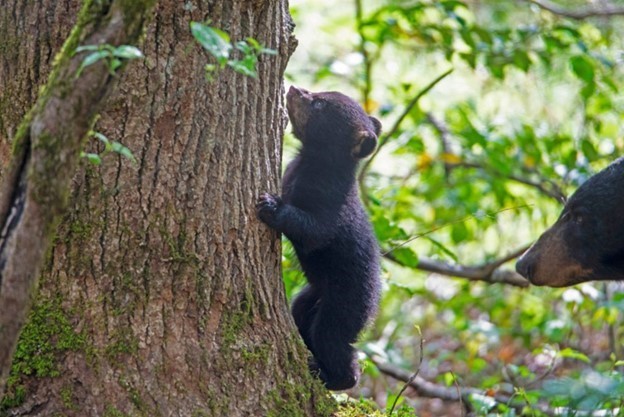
576, 218
318, 104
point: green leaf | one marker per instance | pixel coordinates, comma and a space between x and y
521, 60
88, 48
244, 48
247, 66
254, 43
583, 68
459, 232
449, 378
406, 257
573, 354
470, 58
113, 65
93, 158
100, 136
123, 151
448, 252
215, 41
395, 399
588, 90
589, 150
477, 365
92, 59
127, 52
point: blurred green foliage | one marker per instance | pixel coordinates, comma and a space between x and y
476, 169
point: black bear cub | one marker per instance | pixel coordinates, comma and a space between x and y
321, 214
587, 241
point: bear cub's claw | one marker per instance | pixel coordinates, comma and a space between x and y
267, 206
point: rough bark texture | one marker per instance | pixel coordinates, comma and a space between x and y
162, 294
26, 55
46, 149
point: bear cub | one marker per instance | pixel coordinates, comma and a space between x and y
321, 214
586, 243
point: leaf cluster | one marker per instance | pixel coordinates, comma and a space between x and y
109, 146
219, 45
112, 55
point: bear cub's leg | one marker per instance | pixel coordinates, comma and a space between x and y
304, 309
319, 324
332, 334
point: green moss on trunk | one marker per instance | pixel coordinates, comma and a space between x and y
47, 334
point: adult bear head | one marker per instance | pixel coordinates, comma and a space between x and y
586, 243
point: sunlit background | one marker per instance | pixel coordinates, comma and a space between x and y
476, 170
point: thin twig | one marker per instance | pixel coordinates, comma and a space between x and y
552, 190
461, 400
462, 220
445, 141
386, 136
359, 20
578, 14
431, 390
611, 326
414, 375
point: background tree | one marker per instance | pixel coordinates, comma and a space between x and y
161, 293
45, 154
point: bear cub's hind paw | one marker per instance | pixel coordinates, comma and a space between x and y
340, 381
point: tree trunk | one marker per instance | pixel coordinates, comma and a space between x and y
45, 155
162, 294
26, 56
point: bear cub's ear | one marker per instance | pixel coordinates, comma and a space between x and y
377, 124
365, 142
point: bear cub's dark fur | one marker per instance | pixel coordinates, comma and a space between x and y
321, 214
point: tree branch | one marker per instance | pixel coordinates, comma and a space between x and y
552, 190
428, 389
445, 141
488, 272
546, 187
578, 14
431, 390
48, 144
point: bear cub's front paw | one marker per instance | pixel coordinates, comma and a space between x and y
267, 206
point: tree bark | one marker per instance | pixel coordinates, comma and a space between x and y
162, 294
45, 154
26, 56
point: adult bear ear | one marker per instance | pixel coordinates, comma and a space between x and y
377, 124
365, 142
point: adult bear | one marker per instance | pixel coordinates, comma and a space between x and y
321, 214
587, 241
